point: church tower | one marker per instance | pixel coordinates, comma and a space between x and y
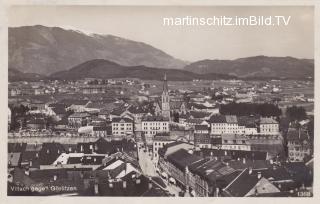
165, 100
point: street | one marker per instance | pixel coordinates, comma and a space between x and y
149, 169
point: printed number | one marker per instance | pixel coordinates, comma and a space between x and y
304, 194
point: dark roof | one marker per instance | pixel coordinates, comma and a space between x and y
182, 158
40, 121
242, 184
199, 114
218, 119
247, 121
201, 127
122, 120
211, 170
50, 152
294, 134
17, 147
154, 118
254, 164
70, 102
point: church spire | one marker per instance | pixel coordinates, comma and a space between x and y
165, 83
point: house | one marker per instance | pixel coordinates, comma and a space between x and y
202, 136
78, 119
122, 127
159, 141
101, 131
299, 146
209, 176
36, 123
177, 166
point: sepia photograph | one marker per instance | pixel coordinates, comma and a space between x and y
160, 101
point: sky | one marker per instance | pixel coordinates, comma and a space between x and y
189, 43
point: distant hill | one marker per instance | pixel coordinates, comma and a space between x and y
257, 67
100, 68
45, 50
16, 75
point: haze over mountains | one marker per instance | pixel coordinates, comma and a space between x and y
40, 52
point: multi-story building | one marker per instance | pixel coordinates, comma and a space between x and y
269, 126
299, 147
221, 124
151, 125
122, 126
202, 136
159, 141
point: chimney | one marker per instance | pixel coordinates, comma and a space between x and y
259, 175
271, 161
150, 183
27, 172
138, 181
217, 192
96, 188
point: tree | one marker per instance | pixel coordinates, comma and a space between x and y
295, 113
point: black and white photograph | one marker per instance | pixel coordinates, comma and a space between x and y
160, 101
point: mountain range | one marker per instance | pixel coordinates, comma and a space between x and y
257, 67
51, 52
104, 69
45, 50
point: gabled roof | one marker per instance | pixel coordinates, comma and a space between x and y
242, 184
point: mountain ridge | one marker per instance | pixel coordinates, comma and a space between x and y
45, 50
256, 66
